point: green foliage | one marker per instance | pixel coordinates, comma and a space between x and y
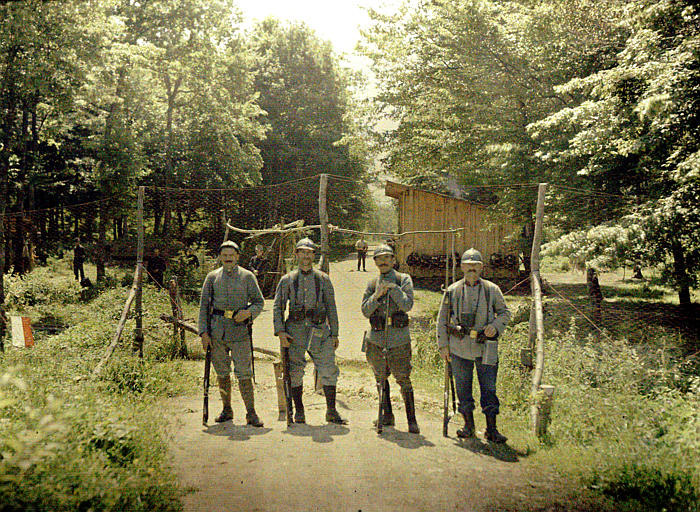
624, 418
70, 443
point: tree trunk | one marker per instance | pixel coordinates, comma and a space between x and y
101, 240
680, 272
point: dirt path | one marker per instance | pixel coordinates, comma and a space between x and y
322, 467
325, 467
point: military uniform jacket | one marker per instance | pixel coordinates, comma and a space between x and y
400, 298
465, 300
231, 291
304, 295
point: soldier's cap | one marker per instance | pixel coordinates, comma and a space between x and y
382, 250
472, 256
305, 243
229, 244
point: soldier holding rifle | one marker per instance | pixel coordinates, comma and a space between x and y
386, 302
472, 316
311, 325
230, 300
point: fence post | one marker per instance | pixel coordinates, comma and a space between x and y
540, 398
138, 309
323, 220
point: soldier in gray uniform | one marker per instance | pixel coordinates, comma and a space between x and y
311, 325
230, 300
472, 316
386, 302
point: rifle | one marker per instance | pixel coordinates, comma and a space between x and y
207, 371
287, 379
252, 356
449, 386
449, 379
382, 383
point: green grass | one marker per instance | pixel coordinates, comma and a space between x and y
69, 442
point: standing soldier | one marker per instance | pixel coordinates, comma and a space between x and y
472, 316
311, 325
78, 260
361, 248
230, 300
386, 302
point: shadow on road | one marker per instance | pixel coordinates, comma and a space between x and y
501, 452
235, 432
317, 433
404, 439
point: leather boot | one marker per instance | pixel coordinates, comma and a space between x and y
225, 392
246, 388
299, 416
388, 419
492, 434
332, 415
468, 431
410, 411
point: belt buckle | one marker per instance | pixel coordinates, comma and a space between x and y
228, 313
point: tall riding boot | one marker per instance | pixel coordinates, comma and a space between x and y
387, 413
246, 388
299, 416
410, 411
492, 434
332, 415
468, 431
225, 392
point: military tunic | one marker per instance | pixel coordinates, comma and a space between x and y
229, 291
396, 340
471, 299
297, 292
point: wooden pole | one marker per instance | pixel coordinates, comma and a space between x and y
178, 331
226, 226
323, 219
122, 321
454, 261
138, 333
537, 411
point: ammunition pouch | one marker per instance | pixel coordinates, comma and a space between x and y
316, 316
399, 320
377, 322
455, 330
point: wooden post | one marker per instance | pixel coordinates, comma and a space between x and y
225, 222
454, 261
178, 331
138, 333
538, 426
323, 220
122, 321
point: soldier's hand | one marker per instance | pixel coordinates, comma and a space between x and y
243, 314
382, 289
285, 339
490, 331
206, 340
336, 341
445, 354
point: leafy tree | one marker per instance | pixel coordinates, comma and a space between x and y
637, 133
306, 97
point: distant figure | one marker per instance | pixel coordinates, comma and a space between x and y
78, 260
361, 248
156, 267
261, 268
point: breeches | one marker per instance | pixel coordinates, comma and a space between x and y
397, 363
223, 352
322, 354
